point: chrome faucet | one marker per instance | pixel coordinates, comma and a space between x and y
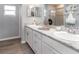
73, 30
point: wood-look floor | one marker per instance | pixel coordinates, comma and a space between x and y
14, 46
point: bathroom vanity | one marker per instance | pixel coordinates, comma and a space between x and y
47, 42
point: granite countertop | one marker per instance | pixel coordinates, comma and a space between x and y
50, 34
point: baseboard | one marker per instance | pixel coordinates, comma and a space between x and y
9, 38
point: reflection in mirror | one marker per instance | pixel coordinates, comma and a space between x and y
71, 15
70, 20
34, 11
55, 12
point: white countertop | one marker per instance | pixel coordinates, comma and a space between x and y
69, 39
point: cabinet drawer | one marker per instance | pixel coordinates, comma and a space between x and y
58, 46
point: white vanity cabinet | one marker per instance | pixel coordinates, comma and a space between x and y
43, 44
37, 42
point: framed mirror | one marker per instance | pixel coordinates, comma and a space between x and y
34, 12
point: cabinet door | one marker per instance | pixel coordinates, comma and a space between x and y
29, 37
47, 42
58, 46
38, 45
36, 42
46, 49
25, 33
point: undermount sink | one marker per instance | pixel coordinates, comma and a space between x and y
67, 36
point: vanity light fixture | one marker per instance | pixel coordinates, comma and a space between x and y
71, 20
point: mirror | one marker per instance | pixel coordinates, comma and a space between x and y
34, 11
56, 14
